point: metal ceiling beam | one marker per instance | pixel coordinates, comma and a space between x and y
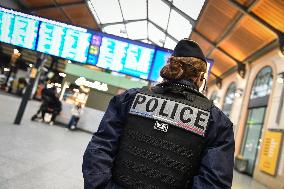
272, 45
168, 21
226, 32
225, 74
241, 66
167, 34
62, 10
200, 14
247, 11
140, 39
170, 4
153, 42
123, 19
58, 6
214, 74
267, 48
96, 22
216, 47
231, 26
256, 18
124, 22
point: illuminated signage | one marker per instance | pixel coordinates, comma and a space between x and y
64, 42
18, 30
94, 85
270, 152
125, 57
78, 44
160, 60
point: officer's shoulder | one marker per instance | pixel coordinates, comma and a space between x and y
219, 116
128, 94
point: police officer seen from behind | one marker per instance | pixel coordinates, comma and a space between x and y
165, 137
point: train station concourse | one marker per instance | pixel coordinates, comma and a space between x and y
108, 94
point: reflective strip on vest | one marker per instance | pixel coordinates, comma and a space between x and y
175, 113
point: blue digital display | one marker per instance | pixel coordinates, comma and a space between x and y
50, 39
6, 27
63, 42
124, 57
18, 30
94, 49
160, 60
81, 45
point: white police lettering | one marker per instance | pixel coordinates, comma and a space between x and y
172, 112
161, 126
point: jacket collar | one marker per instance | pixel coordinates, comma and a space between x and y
186, 84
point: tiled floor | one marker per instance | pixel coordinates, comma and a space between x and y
37, 156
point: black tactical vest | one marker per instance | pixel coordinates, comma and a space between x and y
163, 139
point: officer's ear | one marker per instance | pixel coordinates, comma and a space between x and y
201, 76
199, 80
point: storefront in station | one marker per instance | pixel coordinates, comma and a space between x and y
93, 89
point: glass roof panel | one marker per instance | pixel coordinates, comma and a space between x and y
137, 30
169, 43
131, 11
189, 7
117, 29
179, 27
159, 13
156, 35
108, 10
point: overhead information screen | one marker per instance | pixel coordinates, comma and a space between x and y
76, 45
6, 27
81, 45
121, 56
160, 60
18, 30
50, 39
63, 42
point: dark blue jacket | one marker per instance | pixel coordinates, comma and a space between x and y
216, 170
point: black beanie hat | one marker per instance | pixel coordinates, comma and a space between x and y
188, 48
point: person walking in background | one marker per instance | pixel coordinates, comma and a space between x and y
76, 111
169, 136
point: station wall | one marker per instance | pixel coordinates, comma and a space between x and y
239, 112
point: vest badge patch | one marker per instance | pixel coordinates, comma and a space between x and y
161, 126
170, 112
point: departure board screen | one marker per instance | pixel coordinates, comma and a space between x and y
124, 57
18, 30
161, 58
94, 49
63, 42
82, 45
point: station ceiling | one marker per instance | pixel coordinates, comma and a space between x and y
232, 32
